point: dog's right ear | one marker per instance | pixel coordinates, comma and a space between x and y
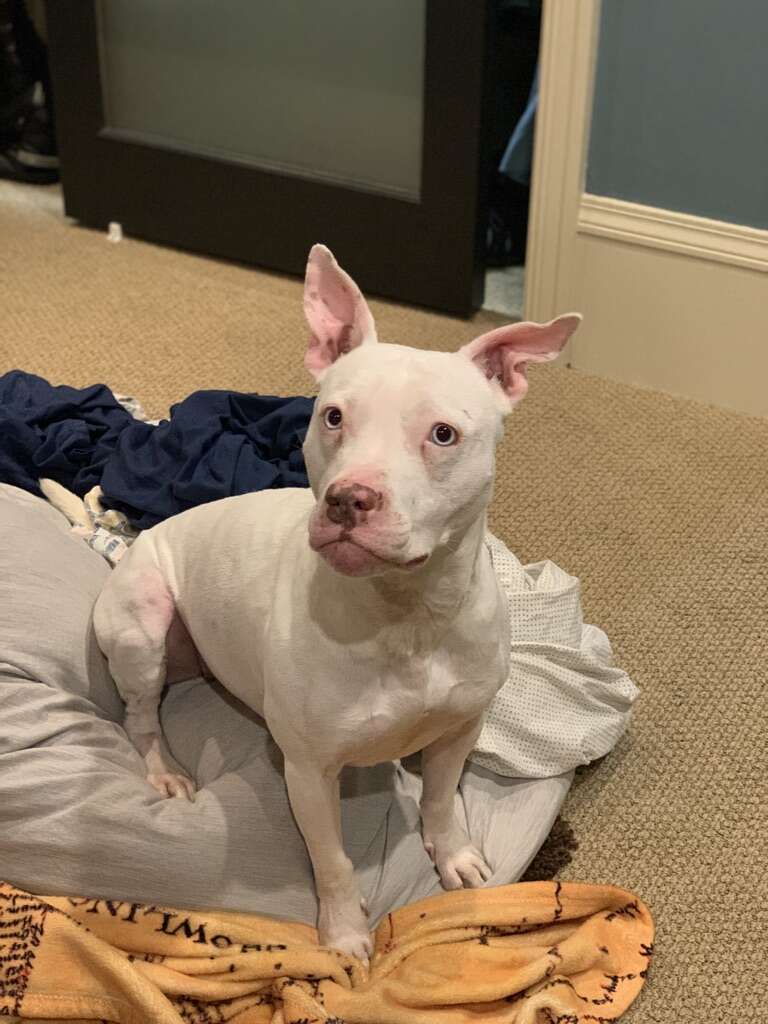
337, 314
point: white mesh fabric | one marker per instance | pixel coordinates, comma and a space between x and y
564, 703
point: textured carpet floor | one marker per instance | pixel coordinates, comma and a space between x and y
659, 505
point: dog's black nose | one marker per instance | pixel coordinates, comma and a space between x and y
347, 504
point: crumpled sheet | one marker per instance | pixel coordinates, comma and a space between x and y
214, 444
67, 434
565, 703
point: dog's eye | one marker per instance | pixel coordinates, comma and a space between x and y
332, 417
443, 435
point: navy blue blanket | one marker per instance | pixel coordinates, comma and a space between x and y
215, 444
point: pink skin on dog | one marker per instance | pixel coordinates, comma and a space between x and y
362, 618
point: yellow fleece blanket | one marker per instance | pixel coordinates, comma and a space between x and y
530, 953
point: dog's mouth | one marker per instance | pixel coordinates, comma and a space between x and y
348, 556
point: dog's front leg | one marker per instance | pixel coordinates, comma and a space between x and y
445, 840
315, 801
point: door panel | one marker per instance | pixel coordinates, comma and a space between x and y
248, 130
283, 99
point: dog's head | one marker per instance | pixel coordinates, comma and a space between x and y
400, 448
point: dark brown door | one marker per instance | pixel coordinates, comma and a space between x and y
249, 130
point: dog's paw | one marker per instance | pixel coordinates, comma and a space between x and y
464, 867
172, 784
345, 927
356, 943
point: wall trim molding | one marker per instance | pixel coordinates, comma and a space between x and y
656, 228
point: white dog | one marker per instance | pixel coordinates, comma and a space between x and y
362, 618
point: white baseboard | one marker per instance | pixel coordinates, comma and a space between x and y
670, 301
655, 228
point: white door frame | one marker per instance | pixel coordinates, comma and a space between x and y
567, 56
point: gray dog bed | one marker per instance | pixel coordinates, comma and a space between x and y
77, 816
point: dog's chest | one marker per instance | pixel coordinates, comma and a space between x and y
361, 683
409, 701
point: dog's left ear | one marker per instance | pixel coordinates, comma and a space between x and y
337, 314
503, 354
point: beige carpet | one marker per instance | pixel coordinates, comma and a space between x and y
659, 505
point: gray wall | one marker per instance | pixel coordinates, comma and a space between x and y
680, 117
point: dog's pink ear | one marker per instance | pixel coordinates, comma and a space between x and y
337, 314
502, 355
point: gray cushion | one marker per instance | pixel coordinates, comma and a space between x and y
77, 816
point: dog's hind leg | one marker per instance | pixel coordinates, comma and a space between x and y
132, 622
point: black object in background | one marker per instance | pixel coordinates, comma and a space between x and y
27, 135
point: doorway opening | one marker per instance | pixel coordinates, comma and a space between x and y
516, 28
